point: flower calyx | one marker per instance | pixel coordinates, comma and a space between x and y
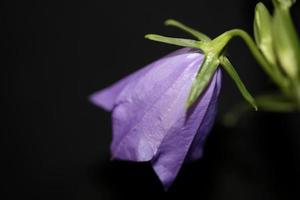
214, 52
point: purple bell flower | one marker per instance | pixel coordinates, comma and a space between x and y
150, 118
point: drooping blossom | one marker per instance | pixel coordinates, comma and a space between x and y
150, 119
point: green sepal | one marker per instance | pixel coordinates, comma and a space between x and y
202, 79
196, 34
287, 45
177, 41
263, 32
235, 77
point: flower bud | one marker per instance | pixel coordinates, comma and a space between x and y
286, 42
263, 32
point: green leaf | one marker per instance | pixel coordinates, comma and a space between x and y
203, 77
263, 32
287, 45
197, 34
235, 77
176, 41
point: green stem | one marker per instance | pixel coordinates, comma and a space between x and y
224, 38
272, 103
268, 102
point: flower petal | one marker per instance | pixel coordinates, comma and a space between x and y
196, 150
106, 98
176, 144
147, 108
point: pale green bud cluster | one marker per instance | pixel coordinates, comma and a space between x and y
277, 39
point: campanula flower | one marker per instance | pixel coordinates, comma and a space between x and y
163, 112
150, 119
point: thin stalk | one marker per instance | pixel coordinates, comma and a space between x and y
276, 77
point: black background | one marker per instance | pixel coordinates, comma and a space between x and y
56, 144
